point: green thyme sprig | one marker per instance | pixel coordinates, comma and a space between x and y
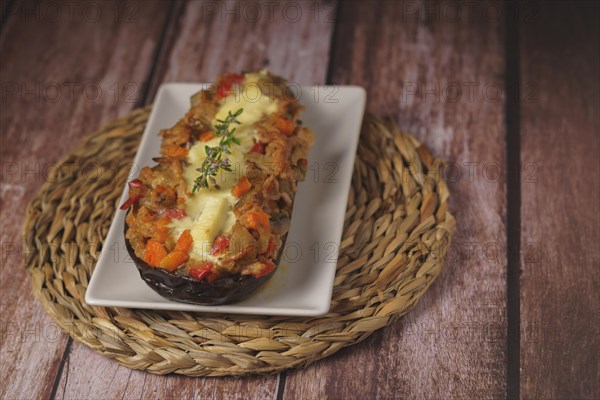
214, 155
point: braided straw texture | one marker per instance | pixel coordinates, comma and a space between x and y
397, 230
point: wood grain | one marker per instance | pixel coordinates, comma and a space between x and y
201, 43
560, 221
43, 58
208, 38
453, 344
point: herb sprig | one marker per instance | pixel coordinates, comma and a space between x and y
214, 160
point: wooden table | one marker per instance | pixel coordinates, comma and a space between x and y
508, 94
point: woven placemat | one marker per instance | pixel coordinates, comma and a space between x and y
397, 230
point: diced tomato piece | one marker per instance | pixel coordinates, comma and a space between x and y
226, 83
155, 253
184, 243
220, 244
285, 126
206, 136
201, 271
174, 259
176, 213
257, 220
130, 201
303, 162
268, 268
241, 188
258, 147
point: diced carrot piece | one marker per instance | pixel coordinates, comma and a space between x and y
242, 187
176, 151
257, 220
206, 136
174, 259
155, 253
184, 243
286, 126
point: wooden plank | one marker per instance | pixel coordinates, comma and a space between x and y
216, 37
44, 57
412, 63
200, 44
560, 218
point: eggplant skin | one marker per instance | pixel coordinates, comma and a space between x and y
189, 290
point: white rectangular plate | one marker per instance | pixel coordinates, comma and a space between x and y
303, 283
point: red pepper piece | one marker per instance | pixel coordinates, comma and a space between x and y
258, 147
136, 188
136, 183
201, 271
226, 83
130, 201
220, 244
176, 213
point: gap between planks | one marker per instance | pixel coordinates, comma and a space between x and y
513, 203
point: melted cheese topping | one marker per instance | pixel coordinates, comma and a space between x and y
210, 211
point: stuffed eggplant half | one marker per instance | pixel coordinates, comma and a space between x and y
207, 224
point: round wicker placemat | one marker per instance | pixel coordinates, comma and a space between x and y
396, 233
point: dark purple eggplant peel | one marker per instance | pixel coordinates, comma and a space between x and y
186, 289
